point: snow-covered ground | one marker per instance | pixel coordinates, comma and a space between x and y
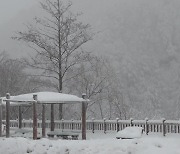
97, 143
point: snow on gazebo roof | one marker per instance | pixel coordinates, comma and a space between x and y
45, 98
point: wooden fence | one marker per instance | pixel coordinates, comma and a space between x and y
160, 126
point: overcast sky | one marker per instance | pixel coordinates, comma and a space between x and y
11, 8
15, 13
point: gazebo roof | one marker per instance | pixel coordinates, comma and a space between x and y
45, 98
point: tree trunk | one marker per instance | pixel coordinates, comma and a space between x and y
83, 119
60, 61
60, 91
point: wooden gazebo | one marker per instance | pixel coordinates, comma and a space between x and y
41, 98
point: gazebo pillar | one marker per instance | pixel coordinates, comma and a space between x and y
20, 117
34, 118
7, 115
83, 118
0, 117
43, 121
52, 117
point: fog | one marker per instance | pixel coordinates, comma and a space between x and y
10, 9
142, 36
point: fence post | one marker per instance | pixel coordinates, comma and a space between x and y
92, 125
131, 122
24, 124
62, 124
104, 123
72, 124
146, 126
117, 124
178, 128
31, 123
163, 127
17, 122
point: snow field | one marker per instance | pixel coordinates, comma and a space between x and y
96, 144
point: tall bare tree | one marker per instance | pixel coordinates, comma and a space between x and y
57, 40
93, 80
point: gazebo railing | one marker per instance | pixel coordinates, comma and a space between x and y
160, 126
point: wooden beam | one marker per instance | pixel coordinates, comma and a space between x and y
83, 118
52, 117
43, 121
7, 115
34, 118
20, 117
0, 117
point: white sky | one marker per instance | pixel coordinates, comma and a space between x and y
10, 8
15, 13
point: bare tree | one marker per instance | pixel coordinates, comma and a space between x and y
57, 39
93, 80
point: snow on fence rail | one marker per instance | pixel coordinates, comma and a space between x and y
163, 126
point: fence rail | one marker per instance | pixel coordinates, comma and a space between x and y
162, 126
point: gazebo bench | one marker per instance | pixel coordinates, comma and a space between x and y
63, 135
